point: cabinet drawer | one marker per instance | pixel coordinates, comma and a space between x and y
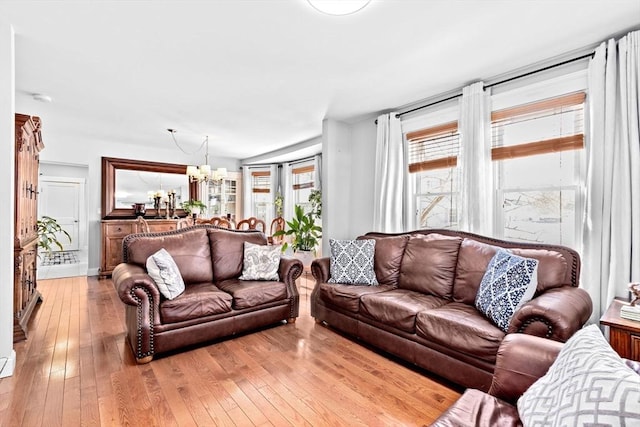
118, 230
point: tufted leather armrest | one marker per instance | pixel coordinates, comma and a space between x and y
320, 268
555, 314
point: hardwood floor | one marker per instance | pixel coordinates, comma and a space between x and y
77, 369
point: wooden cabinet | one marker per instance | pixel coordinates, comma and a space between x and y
624, 334
115, 230
28, 145
225, 197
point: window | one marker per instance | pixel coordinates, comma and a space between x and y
536, 151
261, 198
433, 155
302, 184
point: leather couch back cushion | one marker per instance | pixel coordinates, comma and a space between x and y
429, 264
387, 258
190, 251
227, 251
475, 257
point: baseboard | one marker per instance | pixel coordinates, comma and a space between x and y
93, 271
7, 365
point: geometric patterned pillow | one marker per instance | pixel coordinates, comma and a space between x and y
587, 385
352, 262
164, 271
261, 262
509, 282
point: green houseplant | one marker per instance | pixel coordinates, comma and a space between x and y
193, 207
48, 234
306, 234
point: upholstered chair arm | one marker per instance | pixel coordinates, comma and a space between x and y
522, 359
555, 314
321, 269
290, 269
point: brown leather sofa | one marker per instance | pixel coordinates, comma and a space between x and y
215, 302
522, 360
423, 308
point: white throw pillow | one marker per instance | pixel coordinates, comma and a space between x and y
587, 385
261, 262
164, 271
509, 282
352, 262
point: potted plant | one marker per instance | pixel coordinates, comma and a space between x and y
48, 232
193, 207
306, 234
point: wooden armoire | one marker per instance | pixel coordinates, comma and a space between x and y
25, 245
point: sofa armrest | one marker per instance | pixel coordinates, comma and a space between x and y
289, 270
321, 269
522, 359
555, 314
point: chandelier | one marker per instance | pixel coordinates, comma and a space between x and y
338, 7
202, 173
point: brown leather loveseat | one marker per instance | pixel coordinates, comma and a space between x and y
215, 302
423, 308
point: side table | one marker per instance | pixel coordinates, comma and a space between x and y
624, 334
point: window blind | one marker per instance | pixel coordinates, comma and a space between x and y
261, 181
297, 177
436, 147
550, 125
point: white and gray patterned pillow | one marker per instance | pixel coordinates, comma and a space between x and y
587, 385
261, 262
164, 271
509, 282
352, 262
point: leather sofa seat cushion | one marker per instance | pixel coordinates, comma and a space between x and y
475, 408
462, 328
429, 264
227, 251
398, 308
475, 256
197, 300
388, 257
189, 250
252, 293
347, 297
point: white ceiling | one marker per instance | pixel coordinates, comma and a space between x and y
257, 75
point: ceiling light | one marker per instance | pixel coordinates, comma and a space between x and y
338, 7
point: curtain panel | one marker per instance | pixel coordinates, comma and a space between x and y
391, 176
475, 206
611, 234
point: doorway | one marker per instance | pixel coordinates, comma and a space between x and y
63, 198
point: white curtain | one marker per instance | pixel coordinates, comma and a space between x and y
317, 168
389, 213
287, 191
475, 203
611, 235
247, 193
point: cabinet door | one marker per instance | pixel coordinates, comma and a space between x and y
113, 232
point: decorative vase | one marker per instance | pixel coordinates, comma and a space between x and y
139, 209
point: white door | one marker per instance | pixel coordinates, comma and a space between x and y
61, 200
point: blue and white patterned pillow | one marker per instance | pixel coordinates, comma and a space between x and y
352, 262
509, 282
164, 271
261, 262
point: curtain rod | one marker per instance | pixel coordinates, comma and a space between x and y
559, 64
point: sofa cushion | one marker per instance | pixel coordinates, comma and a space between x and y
189, 249
352, 262
398, 308
198, 300
475, 256
388, 257
165, 273
260, 262
250, 293
509, 282
347, 297
587, 384
227, 251
429, 264
462, 328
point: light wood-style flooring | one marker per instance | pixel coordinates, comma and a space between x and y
76, 369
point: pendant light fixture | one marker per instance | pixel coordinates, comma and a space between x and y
338, 7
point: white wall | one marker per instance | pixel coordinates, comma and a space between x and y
7, 160
363, 155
